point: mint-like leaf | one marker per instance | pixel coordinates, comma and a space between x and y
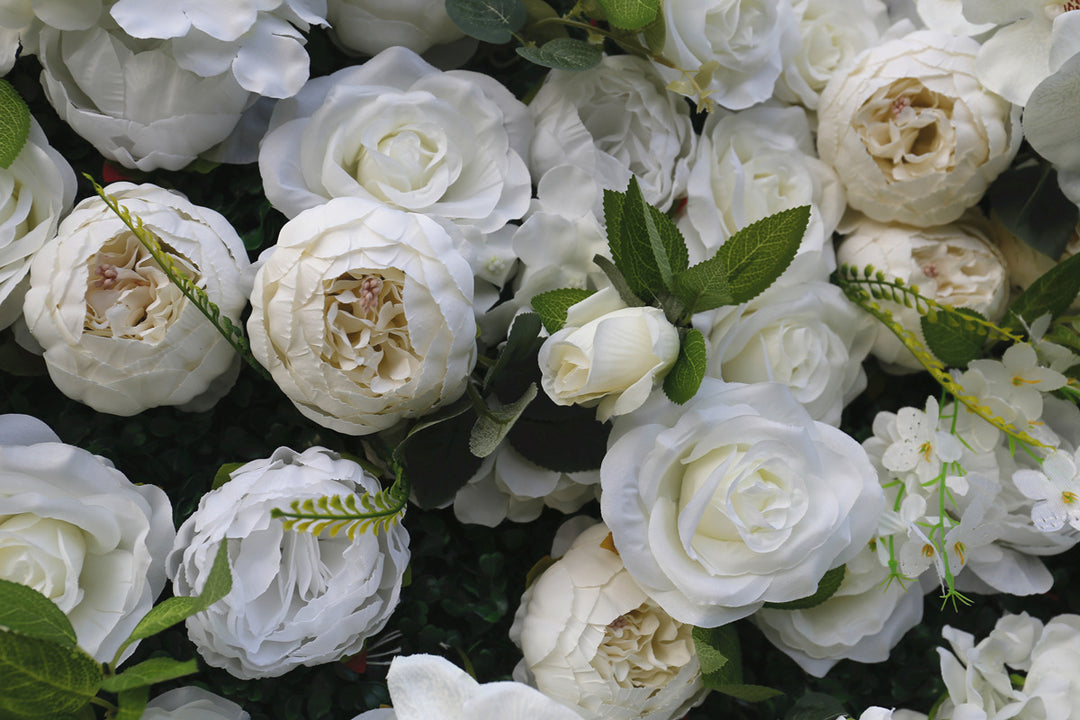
720, 657
14, 124
685, 376
552, 305
704, 286
44, 679
827, 587
756, 255
28, 612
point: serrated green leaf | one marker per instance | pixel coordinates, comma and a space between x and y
521, 346
718, 653
816, 706
552, 305
630, 14
132, 703
827, 587
175, 609
1028, 201
28, 612
704, 286
1052, 293
148, 672
685, 376
617, 281
756, 255
14, 124
644, 257
613, 211
953, 341
492, 426
222, 475
563, 54
492, 21
43, 678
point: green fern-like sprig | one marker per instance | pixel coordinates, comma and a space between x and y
866, 288
198, 297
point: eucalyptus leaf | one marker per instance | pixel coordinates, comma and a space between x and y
630, 14
552, 305
28, 612
14, 124
1028, 201
563, 53
1052, 293
149, 672
827, 587
685, 376
492, 21
492, 426
43, 679
756, 255
953, 341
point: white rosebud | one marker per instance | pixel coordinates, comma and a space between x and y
371, 26
735, 499
118, 335
297, 598
607, 355
363, 315
912, 134
957, 264
595, 642
76, 530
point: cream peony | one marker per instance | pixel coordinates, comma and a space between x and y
912, 134
607, 355
76, 530
118, 335
297, 598
363, 315
592, 640
735, 499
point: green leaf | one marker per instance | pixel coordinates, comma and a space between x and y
28, 612
617, 281
613, 212
756, 255
827, 587
685, 376
748, 693
14, 124
492, 21
132, 703
647, 258
493, 425
704, 286
537, 10
148, 672
44, 679
816, 706
563, 54
720, 657
655, 35
630, 14
222, 475
1028, 201
564, 438
1052, 293
175, 609
436, 453
953, 341
552, 305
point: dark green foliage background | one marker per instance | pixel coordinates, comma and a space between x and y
465, 580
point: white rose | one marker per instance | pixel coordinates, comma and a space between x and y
132, 102
804, 334
750, 165
192, 703
428, 687
733, 49
607, 355
398, 131
118, 335
912, 134
76, 530
862, 621
958, 264
734, 499
297, 598
37, 189
371, 26
592, 640
614, 121
363, 315
1055, 668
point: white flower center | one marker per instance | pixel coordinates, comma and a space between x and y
45, 554
908, 130
406, 160
644, 648
367, 332
128, 295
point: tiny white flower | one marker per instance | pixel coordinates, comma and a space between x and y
1018, 380
1057, 490
922, 447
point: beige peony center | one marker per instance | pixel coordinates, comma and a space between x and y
644, 648
128, 295
908, 130
367, 332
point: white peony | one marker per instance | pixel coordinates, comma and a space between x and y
118, 335
130, 99
192, 703
614, 121
592, 640
735, 499
297, 598
76, 530
37, 191
958, 264
607, 355
371, 26
727, 52
913, 135
427, 687
363, 315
